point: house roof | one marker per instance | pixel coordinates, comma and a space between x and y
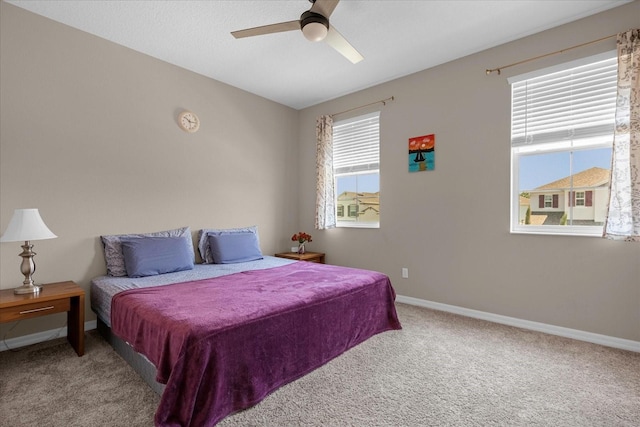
593, 177
363, 198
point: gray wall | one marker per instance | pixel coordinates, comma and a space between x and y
450, 226
89, 136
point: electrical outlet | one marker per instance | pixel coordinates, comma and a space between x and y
405, 273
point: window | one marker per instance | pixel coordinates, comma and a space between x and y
356, 167
562, 124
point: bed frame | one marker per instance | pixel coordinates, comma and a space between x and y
137, 361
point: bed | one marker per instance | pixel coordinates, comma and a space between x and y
218, 338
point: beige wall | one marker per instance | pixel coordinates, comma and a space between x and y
465, 257
88, 134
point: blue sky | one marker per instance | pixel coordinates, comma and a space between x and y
368, 183
541, 169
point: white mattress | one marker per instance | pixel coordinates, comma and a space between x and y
103, 288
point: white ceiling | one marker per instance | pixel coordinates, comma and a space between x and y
396, 38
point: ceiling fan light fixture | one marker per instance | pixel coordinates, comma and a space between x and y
314, 26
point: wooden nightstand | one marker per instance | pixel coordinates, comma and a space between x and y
53, 298
307, 256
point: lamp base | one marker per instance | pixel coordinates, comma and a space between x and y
27, 289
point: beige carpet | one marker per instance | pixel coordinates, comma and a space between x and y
440, 370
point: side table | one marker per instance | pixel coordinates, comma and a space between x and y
307, 256
53, 298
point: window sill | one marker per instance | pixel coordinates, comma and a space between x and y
358, 225
581, 231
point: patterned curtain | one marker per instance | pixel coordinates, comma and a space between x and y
623, 217
325, 191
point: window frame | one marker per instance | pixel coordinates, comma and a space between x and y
566, 146
350, 219
565, 230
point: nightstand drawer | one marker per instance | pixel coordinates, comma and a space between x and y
35, 309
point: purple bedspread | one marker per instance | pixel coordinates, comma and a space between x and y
223, 344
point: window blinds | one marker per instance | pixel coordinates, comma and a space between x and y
567, 105
356, 144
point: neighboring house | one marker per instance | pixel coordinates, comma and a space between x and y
363, 207
523, 206
586, 194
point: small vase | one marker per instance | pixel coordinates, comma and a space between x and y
300, 248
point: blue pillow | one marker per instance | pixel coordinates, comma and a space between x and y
150, 256
113, 249
234, 247
203, 239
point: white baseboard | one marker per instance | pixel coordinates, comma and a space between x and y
605, 340
13, 343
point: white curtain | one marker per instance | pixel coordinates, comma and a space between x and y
325, 191
623, 217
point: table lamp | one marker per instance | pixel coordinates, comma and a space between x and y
27, 225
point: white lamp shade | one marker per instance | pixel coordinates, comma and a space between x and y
26, 224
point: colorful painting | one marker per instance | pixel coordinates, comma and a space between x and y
422, 153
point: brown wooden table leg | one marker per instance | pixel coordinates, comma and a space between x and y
75, 324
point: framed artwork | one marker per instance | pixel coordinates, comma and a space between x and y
422, 153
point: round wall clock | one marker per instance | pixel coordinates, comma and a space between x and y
188, 121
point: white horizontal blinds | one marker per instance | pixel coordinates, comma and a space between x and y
572, 104
356, 144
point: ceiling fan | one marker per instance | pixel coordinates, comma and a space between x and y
315, 26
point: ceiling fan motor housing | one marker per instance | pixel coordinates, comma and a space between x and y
314, 26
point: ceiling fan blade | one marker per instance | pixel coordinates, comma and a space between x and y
324, 7
339, 43
267, 29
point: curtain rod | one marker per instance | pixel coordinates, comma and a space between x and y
383, 101
498, 69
